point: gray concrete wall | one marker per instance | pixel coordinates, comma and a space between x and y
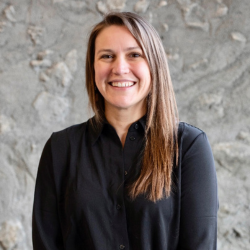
42, 54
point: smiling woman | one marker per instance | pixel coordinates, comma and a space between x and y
133, 176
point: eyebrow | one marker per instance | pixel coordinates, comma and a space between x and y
110, 50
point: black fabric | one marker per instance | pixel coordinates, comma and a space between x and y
81, 199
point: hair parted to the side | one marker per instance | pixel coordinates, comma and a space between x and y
161, 147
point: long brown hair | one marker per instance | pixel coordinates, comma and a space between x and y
161, 147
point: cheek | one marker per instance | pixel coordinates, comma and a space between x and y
143, 71
100, 72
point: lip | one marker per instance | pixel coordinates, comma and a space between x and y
121, 80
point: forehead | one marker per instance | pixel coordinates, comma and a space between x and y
115, 35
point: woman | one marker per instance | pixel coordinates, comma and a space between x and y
132, 177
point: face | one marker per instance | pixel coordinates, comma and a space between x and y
122, 73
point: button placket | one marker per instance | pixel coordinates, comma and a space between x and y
119, 223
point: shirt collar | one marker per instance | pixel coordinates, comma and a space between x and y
97, 129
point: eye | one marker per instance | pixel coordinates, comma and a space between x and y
106, 56
135, 55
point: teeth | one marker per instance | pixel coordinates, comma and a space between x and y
122, 84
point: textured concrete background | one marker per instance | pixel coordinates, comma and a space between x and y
42, 54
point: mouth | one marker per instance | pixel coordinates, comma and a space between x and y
121, 84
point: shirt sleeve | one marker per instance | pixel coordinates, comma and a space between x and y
199, 201
46, 233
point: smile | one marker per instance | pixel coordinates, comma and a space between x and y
122, 84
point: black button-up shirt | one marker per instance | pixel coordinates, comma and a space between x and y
81, 198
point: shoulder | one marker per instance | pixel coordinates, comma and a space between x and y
70, 132
62, 140
189, 135
189, 131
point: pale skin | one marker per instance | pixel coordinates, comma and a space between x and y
122, 76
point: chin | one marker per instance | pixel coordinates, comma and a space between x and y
121, 105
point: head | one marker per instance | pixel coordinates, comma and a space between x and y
150, 42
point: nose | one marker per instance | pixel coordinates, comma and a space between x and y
120, 66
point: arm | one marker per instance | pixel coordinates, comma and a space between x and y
199, 201
46, 233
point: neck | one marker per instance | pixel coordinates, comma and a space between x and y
121, 120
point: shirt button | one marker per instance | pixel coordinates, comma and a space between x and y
122, 246
136, 126
125, 172
132, 138
118, 207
